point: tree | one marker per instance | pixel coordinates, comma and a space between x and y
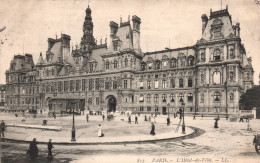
250, 99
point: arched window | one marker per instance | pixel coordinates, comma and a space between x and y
216, 77
217, 33
115, 63
143, 66
191, 61
141, 98
190, 97
107, 65
173, 63
172, 97
148, 98
216, 55
164, 96
216, 96
181, 96
157, 64
156, 98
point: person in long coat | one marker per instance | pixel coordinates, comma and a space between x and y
136, 119
50, 146
129, 119
33, 149
100, 133
2, 128
152, 132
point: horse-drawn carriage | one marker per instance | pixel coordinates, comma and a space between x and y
234, 117
256, 142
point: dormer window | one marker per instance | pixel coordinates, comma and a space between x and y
217, 33
107, 65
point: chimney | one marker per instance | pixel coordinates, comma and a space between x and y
136, 33
65, 40
113, 29
51, 42
204, 19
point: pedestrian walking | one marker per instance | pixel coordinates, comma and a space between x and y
103, 117
152, 132
216, 123
129, 119
202, 116
145, 118
87, 117
136, 119
194, 117
149, 119
100, 133
249, 126
33, 150
241, 119
2, 129
50, 146
168, 121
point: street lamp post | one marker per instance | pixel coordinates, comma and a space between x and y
183, 123
168, 110
73, 131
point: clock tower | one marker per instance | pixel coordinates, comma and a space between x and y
87, 41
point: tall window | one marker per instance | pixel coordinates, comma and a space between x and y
172, 97
125, 84
149, 108
97, 84
114, 84
131, 83
156, 84
77, 85
97, 101
190, 97
157, 64
126, 62
66, 86
91, 67
181, 96
141, 85
216, 54
59, 86
181, 83
173, 63
106, 85
216, 77
189, 82
216, 96
164, 83
217, 33
164, 96
107, 65
90, 84
156, 98
90, 101
115, 63
148, 98
143, 66
141, 98
172, 81
141, 108
202, 78
71, 85
83, 84
149, 85
190, 61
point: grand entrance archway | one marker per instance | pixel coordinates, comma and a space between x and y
111, 103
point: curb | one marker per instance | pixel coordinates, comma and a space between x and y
106, 143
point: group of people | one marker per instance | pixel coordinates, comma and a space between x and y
32, 153
2, 129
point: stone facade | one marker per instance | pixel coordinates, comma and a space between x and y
2, 95
209, 76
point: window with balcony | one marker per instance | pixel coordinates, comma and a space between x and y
164, 98
156, 98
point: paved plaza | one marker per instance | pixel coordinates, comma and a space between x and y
229, 143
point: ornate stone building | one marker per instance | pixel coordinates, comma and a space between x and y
209, 76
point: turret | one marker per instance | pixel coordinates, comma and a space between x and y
136, 33
113, 29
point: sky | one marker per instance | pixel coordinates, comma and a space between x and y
165, 23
